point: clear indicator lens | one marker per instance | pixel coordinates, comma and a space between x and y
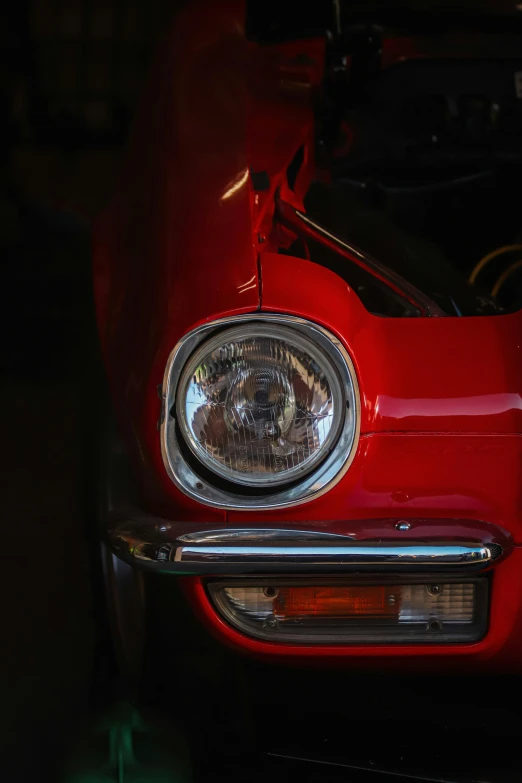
260, 405
430, 613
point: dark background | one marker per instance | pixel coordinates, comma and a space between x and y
72, 71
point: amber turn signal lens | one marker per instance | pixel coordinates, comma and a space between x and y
336, 602
341, 612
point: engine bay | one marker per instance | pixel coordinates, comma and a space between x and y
418, 147
425, 166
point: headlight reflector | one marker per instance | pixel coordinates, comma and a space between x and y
260, 405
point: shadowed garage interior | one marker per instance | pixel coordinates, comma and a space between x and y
71, 74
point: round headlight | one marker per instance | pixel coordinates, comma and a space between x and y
260, 405
259, 411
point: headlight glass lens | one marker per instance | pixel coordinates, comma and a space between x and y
260, 405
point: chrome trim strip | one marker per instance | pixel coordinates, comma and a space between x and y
327, 474
261, 536
371, 555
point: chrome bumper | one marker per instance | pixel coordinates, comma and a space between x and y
164, 546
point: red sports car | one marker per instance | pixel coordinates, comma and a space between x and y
308, 290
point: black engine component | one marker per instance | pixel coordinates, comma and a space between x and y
430, 183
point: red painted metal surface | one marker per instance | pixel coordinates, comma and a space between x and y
175, 247
416, 375
441, 408
441, 421
410, 476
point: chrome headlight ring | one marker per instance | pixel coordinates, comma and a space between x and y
334, 465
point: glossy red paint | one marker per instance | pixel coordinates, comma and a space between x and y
441, 430
410, 476
175, 247
499, 651
453, 375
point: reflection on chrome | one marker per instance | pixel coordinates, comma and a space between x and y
383, 554
260, 536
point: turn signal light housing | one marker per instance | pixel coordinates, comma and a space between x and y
447, 611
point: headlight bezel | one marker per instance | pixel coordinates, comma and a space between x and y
327, 473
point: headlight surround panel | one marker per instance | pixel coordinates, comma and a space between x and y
217, 484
